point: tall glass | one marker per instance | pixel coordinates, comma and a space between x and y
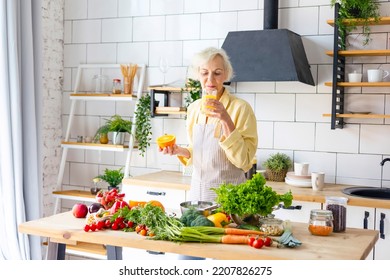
207, 95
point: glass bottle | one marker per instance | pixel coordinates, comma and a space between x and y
321, 222
116, 86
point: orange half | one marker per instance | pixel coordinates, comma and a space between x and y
166, 140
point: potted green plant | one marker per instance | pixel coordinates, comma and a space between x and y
277, 166
194, 88
363, 11
112, 176
143, 130
118, 126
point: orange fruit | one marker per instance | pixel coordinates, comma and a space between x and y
166, 140
135, 203
157, 203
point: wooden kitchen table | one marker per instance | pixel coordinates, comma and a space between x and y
65, 229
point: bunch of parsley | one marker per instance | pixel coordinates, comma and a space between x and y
251, 197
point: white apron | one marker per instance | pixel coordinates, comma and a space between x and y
211, 167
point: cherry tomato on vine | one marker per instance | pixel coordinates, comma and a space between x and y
258, 243
251, 240
267, 241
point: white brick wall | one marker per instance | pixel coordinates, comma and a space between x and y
289, 114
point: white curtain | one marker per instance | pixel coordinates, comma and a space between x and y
20, 179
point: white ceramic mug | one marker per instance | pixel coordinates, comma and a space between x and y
355, 77
317, 180
376, 75
301, 169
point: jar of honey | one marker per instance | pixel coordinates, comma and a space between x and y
321, 222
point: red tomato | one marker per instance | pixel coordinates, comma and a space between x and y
251, 240
258, 243
267, 241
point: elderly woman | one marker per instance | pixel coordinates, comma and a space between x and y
222, 132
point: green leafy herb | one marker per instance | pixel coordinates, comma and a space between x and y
250, 197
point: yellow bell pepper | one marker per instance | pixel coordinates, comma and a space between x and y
219, 219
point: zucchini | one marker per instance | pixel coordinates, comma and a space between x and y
248, 226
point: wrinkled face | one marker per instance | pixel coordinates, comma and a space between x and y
212, 74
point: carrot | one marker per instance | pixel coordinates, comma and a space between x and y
234, 239
237, 231
217, 230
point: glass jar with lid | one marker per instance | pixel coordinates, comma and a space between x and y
271, 225
116, 86
338, 206
321, 222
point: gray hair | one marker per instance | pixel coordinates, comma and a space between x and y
207, 55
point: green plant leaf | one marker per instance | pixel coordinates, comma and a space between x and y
143, 131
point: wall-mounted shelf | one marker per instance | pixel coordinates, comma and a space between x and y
359, 116
164, 110
371, 21
352, 53
95, 146
338, 80
361, 84
102, 97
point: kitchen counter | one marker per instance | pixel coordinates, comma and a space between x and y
175, 179
63, 228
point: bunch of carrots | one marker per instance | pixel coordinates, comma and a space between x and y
205, 234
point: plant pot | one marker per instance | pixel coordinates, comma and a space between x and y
113, 187
118, 138
95, 190
276, 176
103, 139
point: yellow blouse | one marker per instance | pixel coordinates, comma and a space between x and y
240, 146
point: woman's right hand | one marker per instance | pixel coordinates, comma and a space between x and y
175, 150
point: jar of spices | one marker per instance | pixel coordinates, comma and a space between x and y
116, 86
338, 206
321, 222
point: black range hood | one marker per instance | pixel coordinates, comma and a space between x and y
271, 54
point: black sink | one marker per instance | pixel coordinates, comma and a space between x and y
376, 193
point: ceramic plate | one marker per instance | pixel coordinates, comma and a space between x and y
291, 175
298, 183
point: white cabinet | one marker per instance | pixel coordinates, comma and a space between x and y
170, 198
382, 224
372, 218
361, 217
299, 211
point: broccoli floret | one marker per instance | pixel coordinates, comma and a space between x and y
202, 221
189, 216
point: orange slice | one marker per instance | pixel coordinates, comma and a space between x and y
166, 140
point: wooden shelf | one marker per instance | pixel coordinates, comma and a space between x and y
75, 195
95, 146
371, 21
162, 88
89, 248
171, 110
351, 53
359, 116
362, 84
102, 96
